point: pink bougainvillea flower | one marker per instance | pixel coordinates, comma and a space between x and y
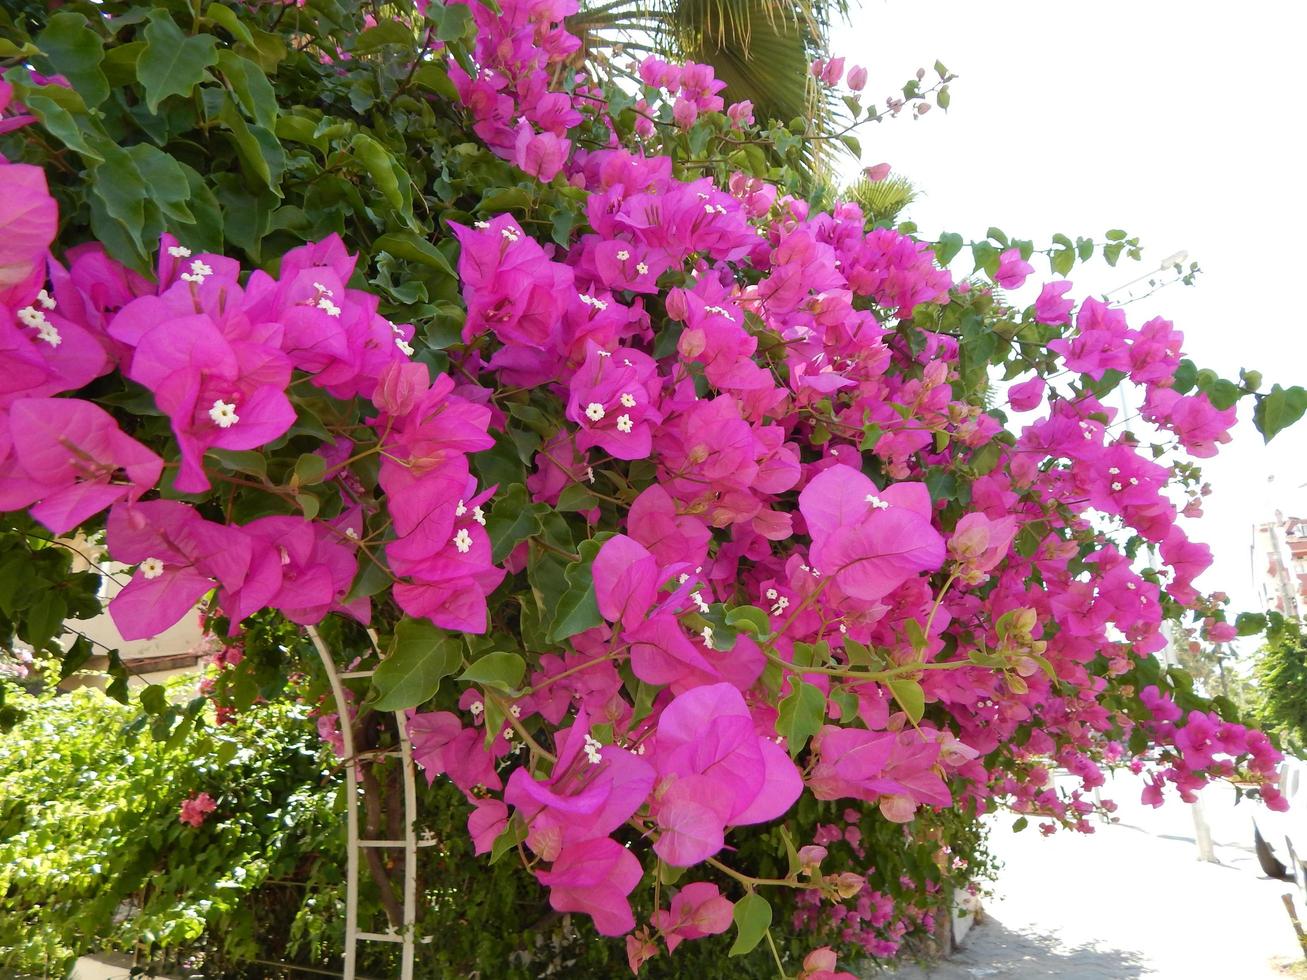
303, 568
218, 393
195, 809
1052, 307
540, 154
1027, 395
595, 877
613, 398
870, 540
732, 775
70, 456
699, 909
179, 557
443, 746
29, 218
1012, 269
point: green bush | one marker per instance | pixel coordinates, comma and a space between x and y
93, 856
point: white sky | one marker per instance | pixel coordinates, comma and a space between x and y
1178, 122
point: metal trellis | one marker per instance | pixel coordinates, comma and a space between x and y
404, 935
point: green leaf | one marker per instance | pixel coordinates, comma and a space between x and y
45, 619
1250, 624
501, 670
380, 166
260, 152
252, 88
242, 461
386, 33
1278, 409
949, 245
512, 835
752, 920
452, 20
1062, 261
1020, 824
407, 245
1115, 235
942, 98
577, 609
119, 186
309, 470
172, 63
62, 125
749, 619
801, 714
513, 518
75, 51
576, 496
909, 695
419, 658
226, 18
165, 181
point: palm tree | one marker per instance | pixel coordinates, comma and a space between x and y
761, 49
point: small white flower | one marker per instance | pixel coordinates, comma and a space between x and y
594, 412
623, 255
624, 423
151, 568
352, 534
843, 628
515, 711
698, 601
771, 594
876, 502
701, 196
707, 637
1117, 486
404, 346
461, 509
641, 268
463, 541
179, 251
1134, 482
328, 306
510, 233
323, 289
223, 414
482, 225
628, 400
592, 750
479, 516
589, 474
476, 707
683, 578
200, 270
1115, 471
1131, 586
604, 353
781, 605
708, 209
46, 300
30, 316
627, 362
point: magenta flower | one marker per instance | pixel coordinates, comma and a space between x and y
195, 809
699, 909
179, 557
715, 771
1027, 395
871, 541
613, 397
70, 456
541, 155
1052, 307
28, 220
595, 877
1012, 269
303, 568
857, 78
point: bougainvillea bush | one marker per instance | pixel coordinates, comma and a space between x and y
680, 495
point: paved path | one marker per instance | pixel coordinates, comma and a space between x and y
1130, 901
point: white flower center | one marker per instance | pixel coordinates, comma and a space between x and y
224, 414
707, 637
476, 707
179, 251
151, 568
624, 423
479, 516
461, 509
404, 346
594, 412
463, 541
592, 747
623, 255
641, 268
200, 271
628, 400
46, 300
876, 502
327, 305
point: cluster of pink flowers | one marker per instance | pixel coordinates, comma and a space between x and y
793, 434
196, 809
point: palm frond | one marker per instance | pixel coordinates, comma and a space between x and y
882, 200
